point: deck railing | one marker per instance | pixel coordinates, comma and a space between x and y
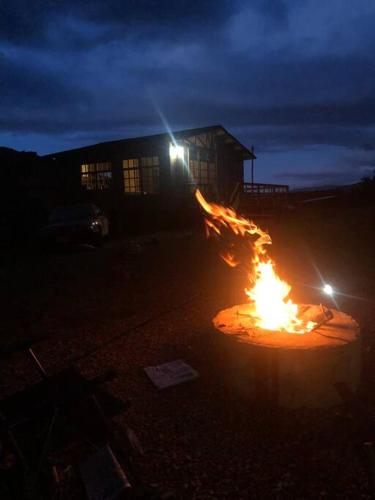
258, 188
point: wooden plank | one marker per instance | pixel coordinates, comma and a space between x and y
103, 476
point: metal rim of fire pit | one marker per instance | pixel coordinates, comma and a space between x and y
341, 329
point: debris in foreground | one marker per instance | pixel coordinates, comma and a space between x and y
103, 476
170, 374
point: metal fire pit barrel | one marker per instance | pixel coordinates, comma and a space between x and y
288, 369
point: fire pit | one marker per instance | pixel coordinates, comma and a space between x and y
275, 350
291, 370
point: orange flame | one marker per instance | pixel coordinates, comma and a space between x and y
270, 306
229, 259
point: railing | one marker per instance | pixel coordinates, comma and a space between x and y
257, 188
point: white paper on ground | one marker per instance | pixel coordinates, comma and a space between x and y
172, 373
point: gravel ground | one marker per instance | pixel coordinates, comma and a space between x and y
200, 440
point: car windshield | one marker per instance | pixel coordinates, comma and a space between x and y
77, 212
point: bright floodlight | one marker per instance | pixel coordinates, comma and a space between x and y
328, 289
176, 152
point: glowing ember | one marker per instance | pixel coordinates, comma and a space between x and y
269, 304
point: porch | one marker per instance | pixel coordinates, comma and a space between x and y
260, 198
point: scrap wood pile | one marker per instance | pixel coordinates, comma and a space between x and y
61, 412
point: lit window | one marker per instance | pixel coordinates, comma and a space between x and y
96, 176
141, 175
131, 176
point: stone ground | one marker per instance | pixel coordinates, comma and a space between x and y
147, 300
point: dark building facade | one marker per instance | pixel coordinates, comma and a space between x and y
152, 177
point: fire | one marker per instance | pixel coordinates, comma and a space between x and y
270, 306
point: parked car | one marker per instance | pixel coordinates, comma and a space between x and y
85, 223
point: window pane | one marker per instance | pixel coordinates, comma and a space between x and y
104, 180
212, 173
130, 163
203, 154
147, 167
102, 167
150, 179
146, 161
84, 180
131, 181
203, 172
194, 171
193, 153
96, 175
88, 181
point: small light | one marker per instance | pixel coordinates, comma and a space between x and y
328, 289
176, 152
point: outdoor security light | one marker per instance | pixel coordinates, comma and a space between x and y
328, 289
176, 152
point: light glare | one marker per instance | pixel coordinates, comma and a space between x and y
176, 152
328, 289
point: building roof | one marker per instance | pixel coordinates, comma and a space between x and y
177, 135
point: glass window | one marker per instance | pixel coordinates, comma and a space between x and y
103, 180
194, 170
141, 175
212, 174
131, 176
87, 181
203, 174
150, 180
96, 176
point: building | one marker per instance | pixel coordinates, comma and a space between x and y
152, 178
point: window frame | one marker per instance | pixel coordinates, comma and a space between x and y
145, 170
131, 176
96, 173
203, 170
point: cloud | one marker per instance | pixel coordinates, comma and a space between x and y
320, 175
324, 165
360, 160
368, 147
285, 138
33, 98
32, 22
280, 74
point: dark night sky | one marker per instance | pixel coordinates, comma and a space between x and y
295, 78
